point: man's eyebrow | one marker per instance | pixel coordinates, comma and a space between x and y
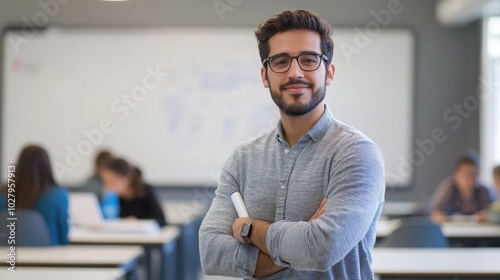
302, 52
283, 53
309, 52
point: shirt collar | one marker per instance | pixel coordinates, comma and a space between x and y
316, 132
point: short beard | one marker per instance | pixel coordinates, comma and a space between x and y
297, 108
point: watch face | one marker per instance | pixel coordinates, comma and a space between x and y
245, 230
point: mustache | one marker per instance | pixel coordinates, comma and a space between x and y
295, 82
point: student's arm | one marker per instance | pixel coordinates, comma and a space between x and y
440, 201
484, 201
439, 216
355, 196
63, 217
155, 210
485, 198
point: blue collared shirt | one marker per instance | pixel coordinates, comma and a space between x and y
285, 186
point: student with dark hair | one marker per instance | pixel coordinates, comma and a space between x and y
313, 186
137, 199
37, 189
461, 194
95, 184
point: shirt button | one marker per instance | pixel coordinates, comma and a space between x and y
287, 151
282, 187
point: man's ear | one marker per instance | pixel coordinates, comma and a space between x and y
330, 73
263, 75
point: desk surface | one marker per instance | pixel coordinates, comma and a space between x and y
450, 229
54, 273
470, 230
450, 261
165, 235
75, 255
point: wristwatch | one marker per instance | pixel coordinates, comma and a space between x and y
245, 232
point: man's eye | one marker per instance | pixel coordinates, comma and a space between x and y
280, 62
309, 60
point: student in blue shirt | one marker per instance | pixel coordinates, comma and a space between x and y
137, 199
37, 189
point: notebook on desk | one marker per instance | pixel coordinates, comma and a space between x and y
85, 212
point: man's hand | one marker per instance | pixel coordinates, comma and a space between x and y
238, 225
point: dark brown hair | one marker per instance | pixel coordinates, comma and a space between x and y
33, 176
124, 169
466, 160
102, 158
496, 171
291, 20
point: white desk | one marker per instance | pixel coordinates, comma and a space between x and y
53, 273
86, 236
475, 262
75, 256
450, 229
470, 230
163, 241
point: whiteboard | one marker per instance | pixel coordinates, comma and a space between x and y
176, 101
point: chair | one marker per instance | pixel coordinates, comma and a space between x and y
30, 229
416, 232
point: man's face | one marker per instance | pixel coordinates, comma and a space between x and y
466, 176
297, 92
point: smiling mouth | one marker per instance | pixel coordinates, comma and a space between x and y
296, 87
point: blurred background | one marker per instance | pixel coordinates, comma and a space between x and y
173, 86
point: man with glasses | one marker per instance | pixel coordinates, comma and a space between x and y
313, 187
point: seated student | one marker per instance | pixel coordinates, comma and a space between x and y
94, 184
494, 208
36, 189
461, 194
137, 199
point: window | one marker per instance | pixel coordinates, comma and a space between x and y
490, 101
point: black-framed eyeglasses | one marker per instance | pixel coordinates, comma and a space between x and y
281, 63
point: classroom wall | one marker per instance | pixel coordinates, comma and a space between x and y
447, 60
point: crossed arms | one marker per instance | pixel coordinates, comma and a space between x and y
265, 265
355, 196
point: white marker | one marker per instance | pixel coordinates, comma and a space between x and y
239, 205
